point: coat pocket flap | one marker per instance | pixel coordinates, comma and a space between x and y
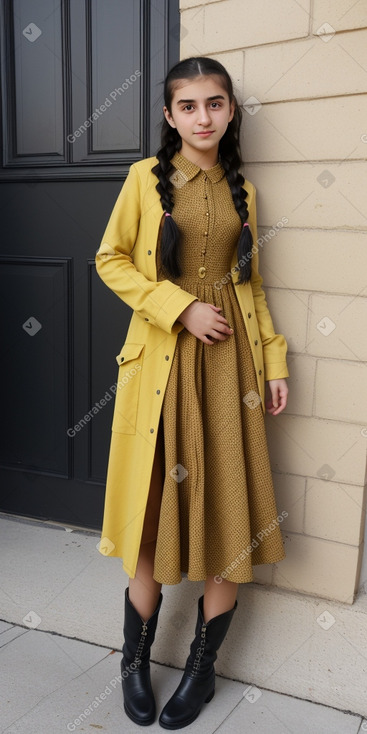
128, 352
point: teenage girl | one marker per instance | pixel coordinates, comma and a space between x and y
189, 487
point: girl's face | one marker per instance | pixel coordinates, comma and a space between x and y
200, 111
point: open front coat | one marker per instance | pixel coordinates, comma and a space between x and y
126, 262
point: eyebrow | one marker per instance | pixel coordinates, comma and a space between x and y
209, 99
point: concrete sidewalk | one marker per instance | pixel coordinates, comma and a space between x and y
54, 684
62, 606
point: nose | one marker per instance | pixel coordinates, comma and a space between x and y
203, 115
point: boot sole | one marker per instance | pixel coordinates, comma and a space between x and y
146, 722
187, 722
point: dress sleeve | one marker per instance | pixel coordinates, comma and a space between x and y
274, 345
159, 302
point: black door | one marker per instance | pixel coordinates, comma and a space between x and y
81, 85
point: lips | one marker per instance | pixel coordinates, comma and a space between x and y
205, 134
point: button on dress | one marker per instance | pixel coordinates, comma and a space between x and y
217, 510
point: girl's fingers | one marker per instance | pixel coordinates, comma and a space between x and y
213, 334
217, 309
218, 330
221, 320
282, 402
219, 336
206, 339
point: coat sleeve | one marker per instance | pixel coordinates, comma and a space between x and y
274, 345
159, 302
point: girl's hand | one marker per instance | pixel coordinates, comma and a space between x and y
203, 320
276, 392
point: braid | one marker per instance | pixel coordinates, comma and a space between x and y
170, 240
230, 158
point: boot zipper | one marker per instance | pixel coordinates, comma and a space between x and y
140, 648
200, 651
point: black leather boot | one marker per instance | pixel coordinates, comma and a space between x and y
197, 685
139, 636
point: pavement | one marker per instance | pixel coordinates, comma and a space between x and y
53, 683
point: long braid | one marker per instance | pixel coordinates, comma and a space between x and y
230, 158
170, 240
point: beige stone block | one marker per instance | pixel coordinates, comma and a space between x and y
194, 3
234, 24
335, 511
289, 314
337, 327
341, 390
279, 644
317, 448
320, 567
322, 195
192, 31
309, 130
290, 497
301, 382
363, 576
307, 68
315, 260
263, 573
233, 61
340, 14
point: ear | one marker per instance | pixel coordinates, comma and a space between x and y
169, 117
232, 108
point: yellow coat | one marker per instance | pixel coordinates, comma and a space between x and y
126, 261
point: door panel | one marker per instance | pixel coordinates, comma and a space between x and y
38, 109
62, 168
35, 358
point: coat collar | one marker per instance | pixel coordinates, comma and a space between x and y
188, 170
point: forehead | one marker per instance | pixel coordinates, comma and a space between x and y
199, 88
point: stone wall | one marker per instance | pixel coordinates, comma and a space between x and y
300, 72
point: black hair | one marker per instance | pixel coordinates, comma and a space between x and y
230, 158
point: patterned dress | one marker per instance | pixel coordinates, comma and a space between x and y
217, 510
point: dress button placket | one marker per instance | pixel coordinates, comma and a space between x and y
202, 268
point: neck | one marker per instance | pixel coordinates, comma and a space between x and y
204, 159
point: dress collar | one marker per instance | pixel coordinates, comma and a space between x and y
189, 170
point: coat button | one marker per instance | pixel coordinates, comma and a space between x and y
260, 372
152, 430
249, 315
149, 252
167, 356
122, 359
158, 392
256, 342
202, 272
